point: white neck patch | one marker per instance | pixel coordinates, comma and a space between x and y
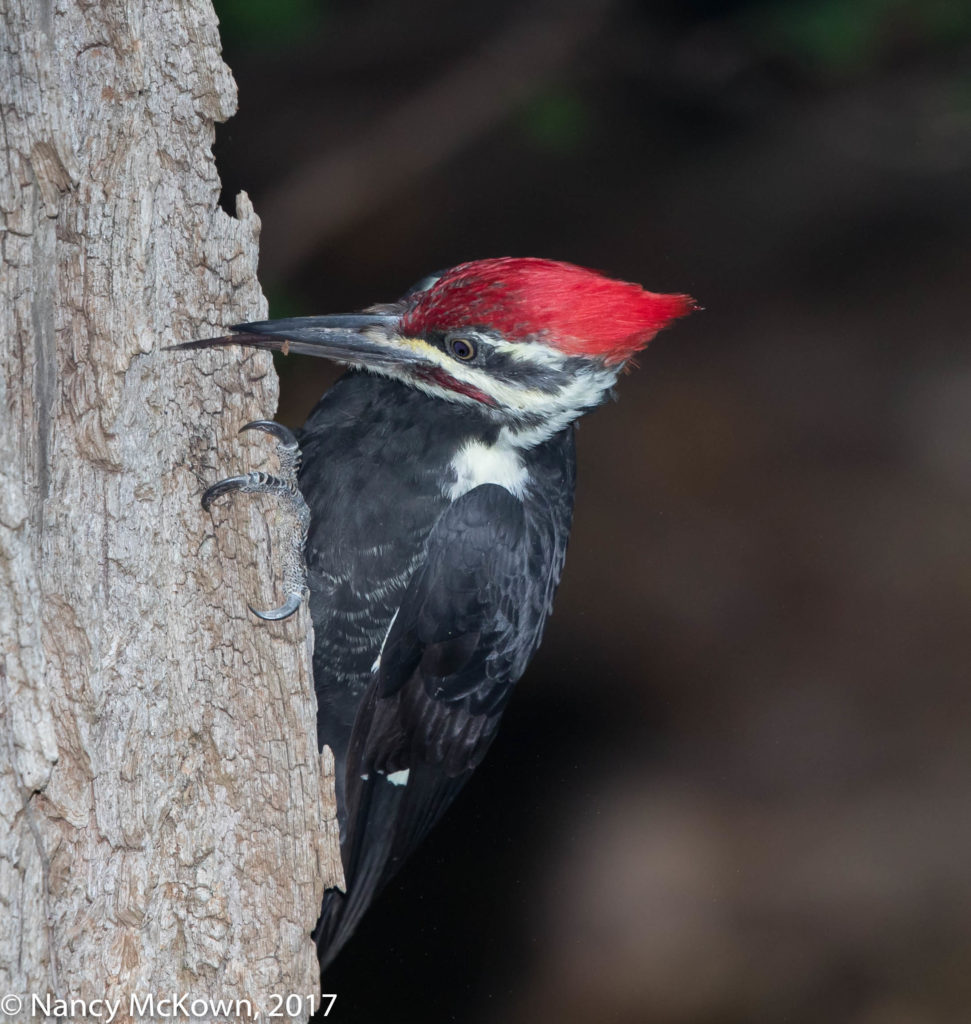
476, 464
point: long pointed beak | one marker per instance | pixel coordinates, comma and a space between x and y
362, 339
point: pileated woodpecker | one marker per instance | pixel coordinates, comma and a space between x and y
438, 475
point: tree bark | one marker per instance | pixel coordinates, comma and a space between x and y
166, 826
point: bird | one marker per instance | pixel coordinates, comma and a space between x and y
433, 485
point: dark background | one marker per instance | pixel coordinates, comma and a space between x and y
735, 784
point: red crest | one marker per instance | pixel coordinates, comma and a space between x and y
578, 311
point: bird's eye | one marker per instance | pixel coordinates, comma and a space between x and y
461, 348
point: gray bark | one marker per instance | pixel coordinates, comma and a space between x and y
165, 822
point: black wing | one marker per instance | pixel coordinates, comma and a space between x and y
470, 620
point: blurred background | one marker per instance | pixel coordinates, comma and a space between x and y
735, 785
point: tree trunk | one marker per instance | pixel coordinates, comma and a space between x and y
165, 822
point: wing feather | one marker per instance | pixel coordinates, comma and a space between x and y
471, 618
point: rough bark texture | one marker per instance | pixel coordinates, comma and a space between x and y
165, 823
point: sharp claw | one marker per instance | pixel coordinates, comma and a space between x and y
221, 487
293, 602
283, 487
283, 434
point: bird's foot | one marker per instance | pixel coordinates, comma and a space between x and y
284, 487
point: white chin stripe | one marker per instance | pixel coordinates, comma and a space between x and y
476, 464
399, 778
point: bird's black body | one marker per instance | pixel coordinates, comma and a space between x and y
468, 581
437, 496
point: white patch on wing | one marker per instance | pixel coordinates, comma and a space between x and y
475, 464
399, 778
387, 633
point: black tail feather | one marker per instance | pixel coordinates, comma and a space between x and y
390, 821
